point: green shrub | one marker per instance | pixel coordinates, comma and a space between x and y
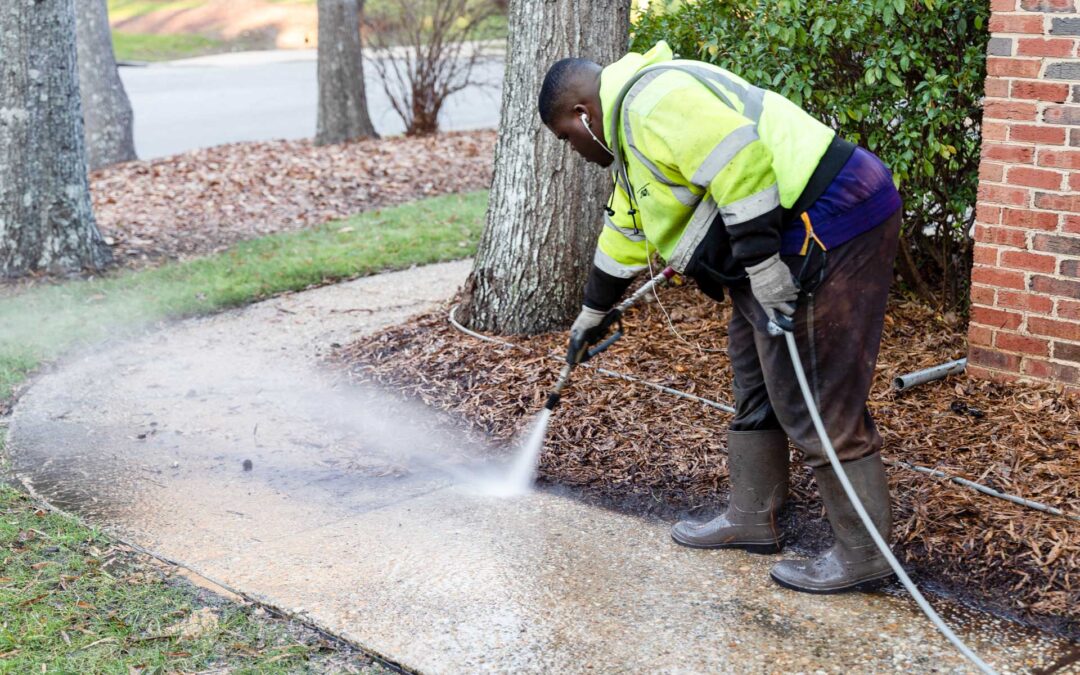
901, 77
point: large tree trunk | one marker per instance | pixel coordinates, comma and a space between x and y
107, 111
343, 111
545, 209
46, 222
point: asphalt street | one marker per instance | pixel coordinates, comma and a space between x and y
258, 96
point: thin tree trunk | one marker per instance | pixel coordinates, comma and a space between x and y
343, 111
545, 209
46, 222
107, 111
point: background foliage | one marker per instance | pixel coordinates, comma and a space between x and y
903, 78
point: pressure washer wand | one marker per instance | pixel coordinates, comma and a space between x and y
613, 318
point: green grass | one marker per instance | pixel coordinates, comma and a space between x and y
140, 47
75, 603
71, 600
120, 10
41, 323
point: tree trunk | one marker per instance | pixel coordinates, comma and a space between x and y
46, 222
106, 109
545, 209
343, 112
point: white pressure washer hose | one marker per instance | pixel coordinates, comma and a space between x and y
834, 461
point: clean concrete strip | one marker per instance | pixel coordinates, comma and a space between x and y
357, 513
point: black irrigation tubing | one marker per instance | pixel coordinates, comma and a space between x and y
934, 473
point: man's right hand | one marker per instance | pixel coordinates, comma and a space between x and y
586, 331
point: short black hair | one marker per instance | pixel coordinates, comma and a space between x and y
558, 79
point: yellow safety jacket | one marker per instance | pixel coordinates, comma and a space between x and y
693, 141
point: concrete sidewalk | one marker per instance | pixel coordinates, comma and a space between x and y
366, 515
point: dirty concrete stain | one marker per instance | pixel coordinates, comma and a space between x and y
216, 443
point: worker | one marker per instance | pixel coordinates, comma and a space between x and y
741, 190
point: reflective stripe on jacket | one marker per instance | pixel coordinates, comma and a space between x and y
694, 141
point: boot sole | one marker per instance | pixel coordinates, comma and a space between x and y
760, 549
863, 586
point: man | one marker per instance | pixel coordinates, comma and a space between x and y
740, 189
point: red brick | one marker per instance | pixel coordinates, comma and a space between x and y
980, 373
997, 87
1013, 342
1040, 91
1029, 220
1060, 114
1014, 154
1066, 288
1027, 133
1048, 5
982, 295
1053, 202
994, 131
1066, 330
1016, 23
1037, 178
991, 172
985, 255
1071, 225
1012, 110
1001, 194
1041, 47
1070, 268
1066, 351
1055, 243
1002, 236
1068, 309
996, 318
1055, 372
987, 213
980, 336
1060, 159
1033, 262
1074, 181
1029, 302
992, 276
1003, 5
994, 359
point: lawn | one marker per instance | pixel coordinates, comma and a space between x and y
73, 600
40, 324
140, 47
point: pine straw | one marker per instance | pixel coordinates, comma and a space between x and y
629, 444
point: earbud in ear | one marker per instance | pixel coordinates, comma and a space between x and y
585, 119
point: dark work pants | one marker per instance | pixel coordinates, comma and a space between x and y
838, 330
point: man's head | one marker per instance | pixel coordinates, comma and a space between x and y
570, 106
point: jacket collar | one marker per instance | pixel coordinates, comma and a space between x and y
614, 76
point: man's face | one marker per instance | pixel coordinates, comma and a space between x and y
570, 127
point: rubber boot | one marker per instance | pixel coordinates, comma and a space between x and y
854, 562
758, 467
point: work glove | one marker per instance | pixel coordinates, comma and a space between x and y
588, 329
773, 286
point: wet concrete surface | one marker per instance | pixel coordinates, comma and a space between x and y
217, 443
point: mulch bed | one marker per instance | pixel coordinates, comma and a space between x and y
632, 446
203, 201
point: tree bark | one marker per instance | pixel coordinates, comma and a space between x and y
107, 113
343, 111
46, 222
545, 209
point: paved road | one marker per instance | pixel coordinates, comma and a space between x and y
363, 514
256, 96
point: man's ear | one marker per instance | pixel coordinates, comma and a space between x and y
580, 110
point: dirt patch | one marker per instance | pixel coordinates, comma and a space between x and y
203, 201
283, 25
633, 446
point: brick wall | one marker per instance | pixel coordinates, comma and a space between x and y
1025, 316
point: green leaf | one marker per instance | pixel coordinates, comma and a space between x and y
894, 78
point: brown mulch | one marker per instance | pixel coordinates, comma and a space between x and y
634, 446
203, 201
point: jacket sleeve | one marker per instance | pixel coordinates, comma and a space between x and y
718, 150
621, 254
